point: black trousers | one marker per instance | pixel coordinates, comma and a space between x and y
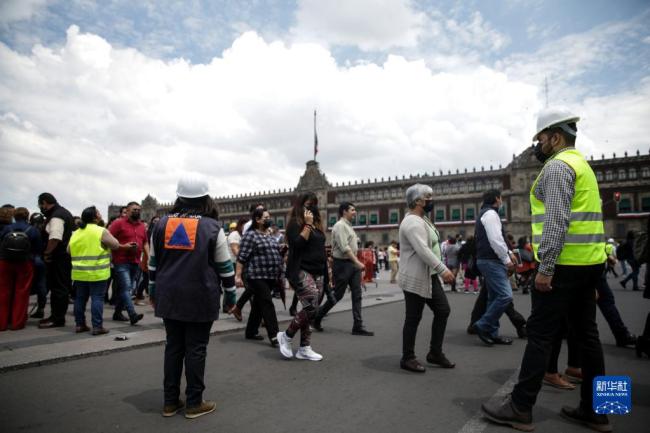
414, 304
573, 348
262, 308
58, 275
607, 306
186, 341
480, 306
572, 296
345, 274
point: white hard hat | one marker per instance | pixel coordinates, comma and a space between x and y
555, 117
192, 186
610, 241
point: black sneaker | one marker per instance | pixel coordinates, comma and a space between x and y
362, 331
38, 314
317, 325
504, 412
136, 318
628, 340
120, 318
592, 420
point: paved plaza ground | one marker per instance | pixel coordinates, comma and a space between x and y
358, 387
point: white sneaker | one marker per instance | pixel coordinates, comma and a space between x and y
307, 353
284, 342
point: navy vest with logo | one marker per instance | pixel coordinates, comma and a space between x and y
483, 248
188, 287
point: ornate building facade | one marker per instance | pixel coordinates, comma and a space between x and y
381, 202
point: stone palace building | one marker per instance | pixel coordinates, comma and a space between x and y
624, 186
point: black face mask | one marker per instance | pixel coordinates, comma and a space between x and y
539, 154
266, 224
313, 209
428, 206
135, 216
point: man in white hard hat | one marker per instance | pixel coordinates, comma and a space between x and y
569, 244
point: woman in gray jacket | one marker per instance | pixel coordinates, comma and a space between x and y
420, 270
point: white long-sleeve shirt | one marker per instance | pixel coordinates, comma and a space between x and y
492, 223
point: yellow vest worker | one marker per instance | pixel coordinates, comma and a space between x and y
569, 243
584, 242
91, 261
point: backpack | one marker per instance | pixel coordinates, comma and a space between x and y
16, 246
640, 247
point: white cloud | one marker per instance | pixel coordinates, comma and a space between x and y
93, 123
367, 24
18, 10
616, 123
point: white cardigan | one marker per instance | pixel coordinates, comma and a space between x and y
416, 259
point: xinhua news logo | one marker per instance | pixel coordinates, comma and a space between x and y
612, 395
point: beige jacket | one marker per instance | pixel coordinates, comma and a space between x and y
417, 262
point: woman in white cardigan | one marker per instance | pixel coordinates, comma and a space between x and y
420, 270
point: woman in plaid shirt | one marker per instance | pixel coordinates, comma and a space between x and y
259, 258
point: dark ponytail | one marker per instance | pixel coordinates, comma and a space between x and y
88, 216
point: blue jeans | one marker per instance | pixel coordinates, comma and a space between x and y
499, 294
125, 276
94, 289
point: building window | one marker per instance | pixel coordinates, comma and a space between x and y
645, 172
280, 222
455, 214
632, 173
374, 218
470, 186
609, 175
354, 220
363, 219
599, 176
625, 205
502, 211
454, 188
622, 174
332, 220
469, 214
645, 204
437, 189
440, 214
394, 216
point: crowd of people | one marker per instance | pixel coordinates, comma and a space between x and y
191, 268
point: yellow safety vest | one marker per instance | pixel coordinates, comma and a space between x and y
609, 249
90, 260
584, 243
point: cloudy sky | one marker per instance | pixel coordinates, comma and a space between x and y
106, 101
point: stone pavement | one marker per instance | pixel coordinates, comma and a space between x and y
32, 346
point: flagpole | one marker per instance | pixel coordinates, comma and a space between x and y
315, 137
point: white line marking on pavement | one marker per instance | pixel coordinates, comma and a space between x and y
477, 423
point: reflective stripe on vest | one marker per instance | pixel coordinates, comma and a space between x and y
584, 243
90, 261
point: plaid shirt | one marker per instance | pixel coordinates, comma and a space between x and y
260, 255
556, 188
